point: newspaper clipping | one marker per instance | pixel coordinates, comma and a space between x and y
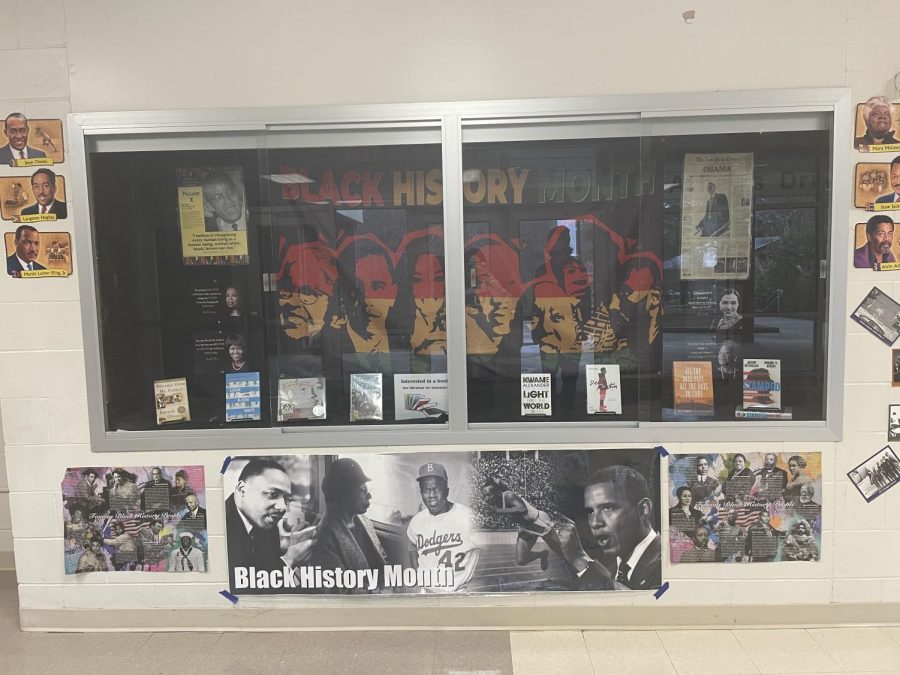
716, 216
444, 522
146, 519
745, 507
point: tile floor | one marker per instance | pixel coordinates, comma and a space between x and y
676, 652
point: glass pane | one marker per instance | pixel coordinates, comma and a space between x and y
175, 237
357, 320
745, 225
562, 287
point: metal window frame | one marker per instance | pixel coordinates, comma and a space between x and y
500, 120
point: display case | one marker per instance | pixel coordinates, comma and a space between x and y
630, 269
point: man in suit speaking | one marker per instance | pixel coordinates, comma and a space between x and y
43, 185
28, 246
15, 126
619, 512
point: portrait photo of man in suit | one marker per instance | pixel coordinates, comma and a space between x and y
43, 186
620, 517
15, 126
894, 179
28, 247
252, 515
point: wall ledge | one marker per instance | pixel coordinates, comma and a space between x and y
460, 618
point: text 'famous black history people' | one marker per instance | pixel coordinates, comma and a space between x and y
745, 507
147, 519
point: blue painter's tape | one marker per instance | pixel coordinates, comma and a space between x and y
233, 599
225, 464
662, 589
662, 451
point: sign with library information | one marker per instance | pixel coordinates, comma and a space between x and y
427, 523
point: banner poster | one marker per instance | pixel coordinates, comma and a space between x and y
444, 522
145, 519
716, 216
536, 394
242, 397
35, 254
745, 507
172, 401
212, 215
419, 397
365, 397
877, 186
604, 389
877, 125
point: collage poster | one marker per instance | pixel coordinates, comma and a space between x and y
146, 519
753, 507
716, 216
462, 522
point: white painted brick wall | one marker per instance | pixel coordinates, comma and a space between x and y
42, 391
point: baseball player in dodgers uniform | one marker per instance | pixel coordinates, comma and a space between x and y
441, 535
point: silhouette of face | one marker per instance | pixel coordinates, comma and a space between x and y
374, 276
575, 279
553, 324
498, 286
430, 328
306, 281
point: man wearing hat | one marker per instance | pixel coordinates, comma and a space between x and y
441, 534
186, 558
346, 539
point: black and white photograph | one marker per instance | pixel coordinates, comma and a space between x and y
876, 475
893, 423
895, 367
460, 522
879, 314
